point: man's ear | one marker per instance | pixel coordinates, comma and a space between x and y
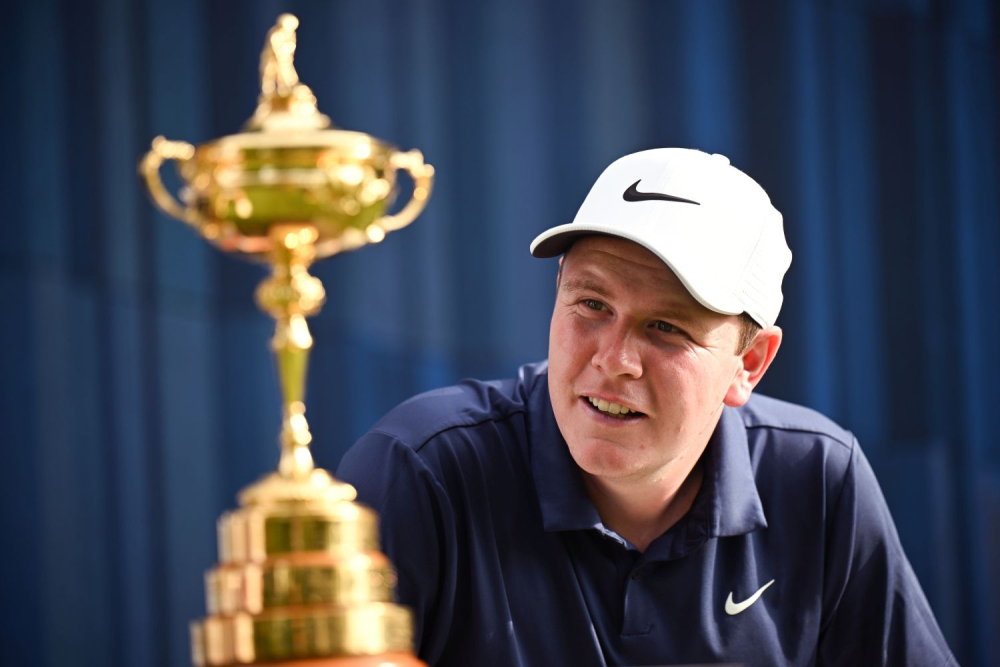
559, 272
754, 362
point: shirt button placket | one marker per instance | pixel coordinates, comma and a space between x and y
637, 612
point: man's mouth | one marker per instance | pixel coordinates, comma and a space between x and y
613, 409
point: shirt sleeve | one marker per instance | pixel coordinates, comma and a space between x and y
415, 517
874, 610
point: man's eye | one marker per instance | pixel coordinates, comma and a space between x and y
666, 327
593, 304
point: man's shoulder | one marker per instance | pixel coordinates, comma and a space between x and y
794, 451
465, 440
469, 404
792, 423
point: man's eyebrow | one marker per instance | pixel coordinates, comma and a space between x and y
584, 284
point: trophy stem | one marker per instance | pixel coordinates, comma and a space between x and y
290, 295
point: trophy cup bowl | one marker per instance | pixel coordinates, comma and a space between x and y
340, 183
300, 580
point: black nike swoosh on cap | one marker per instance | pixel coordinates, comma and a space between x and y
633, 194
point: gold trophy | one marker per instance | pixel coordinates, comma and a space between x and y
300, 580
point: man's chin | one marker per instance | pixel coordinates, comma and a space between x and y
603, 459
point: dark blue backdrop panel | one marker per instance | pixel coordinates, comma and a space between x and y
138, 395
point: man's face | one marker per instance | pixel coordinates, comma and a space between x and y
625, 331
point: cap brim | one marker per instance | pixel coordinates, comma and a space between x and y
557, 240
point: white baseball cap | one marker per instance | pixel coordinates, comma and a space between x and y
713, 225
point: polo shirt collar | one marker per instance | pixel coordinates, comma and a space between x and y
727, 504
562, 497
729, 482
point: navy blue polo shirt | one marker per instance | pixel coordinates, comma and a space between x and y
788, 555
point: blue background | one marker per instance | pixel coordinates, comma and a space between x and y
138, 395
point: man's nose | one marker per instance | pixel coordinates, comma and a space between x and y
618, 354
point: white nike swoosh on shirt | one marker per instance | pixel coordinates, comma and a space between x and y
733, 608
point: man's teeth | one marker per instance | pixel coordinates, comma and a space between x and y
610, 408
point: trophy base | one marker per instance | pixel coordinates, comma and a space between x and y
383, 660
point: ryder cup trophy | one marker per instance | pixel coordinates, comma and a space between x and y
300, 580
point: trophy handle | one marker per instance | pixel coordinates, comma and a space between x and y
423, 181
163, 150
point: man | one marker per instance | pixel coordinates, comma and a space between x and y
628, 502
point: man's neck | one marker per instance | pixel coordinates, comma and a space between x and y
641, 511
